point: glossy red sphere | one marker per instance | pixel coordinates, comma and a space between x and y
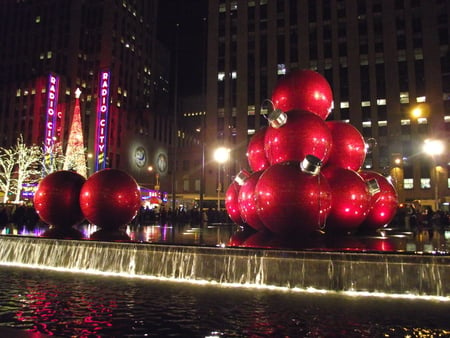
383, 205
290, 201
57, 199
303, 134
350, 199
348, 149
110, 198
256, 155
303, 90
246, 201
232, 203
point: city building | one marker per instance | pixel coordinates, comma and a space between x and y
106, 48
384, 60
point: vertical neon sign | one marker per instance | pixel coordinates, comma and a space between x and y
51, 115
101, 139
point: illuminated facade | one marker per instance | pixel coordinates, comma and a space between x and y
382, 58
75, 41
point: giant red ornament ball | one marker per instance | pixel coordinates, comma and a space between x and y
57, 199
303, 90
303, 134
232, 203
383, 204
290, 201
348, 149
256, 154
350, 200
110, 198
246, 200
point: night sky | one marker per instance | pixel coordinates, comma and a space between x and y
190, 16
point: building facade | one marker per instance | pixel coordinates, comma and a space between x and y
77, 41
384, 59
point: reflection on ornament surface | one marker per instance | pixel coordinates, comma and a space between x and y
256, 155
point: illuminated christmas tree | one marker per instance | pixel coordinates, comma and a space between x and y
75, 158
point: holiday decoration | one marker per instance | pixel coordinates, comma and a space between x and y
256, 155
292, 200
348, 149
57, 203
75, 157
246, 201
383, 203
303, 134
232, 203
110, 198
350, 199
303, 90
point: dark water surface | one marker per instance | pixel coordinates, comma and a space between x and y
68, 304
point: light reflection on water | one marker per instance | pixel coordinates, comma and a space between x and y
64, 304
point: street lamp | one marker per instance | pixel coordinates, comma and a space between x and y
434, 148
221, 155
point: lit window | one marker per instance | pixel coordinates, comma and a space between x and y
344, 104
425, 183
405, 122
382, 123
367, 124
233, 75
408, 183
38, 19
18, 92
381, 102
422, 120
221, 76
49, 54
421, 99
365, 104
251, 131
41, 56
404, 97
281, 69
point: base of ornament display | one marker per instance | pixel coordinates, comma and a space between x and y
62, 233
110, 235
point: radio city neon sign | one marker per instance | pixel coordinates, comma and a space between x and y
102, 120
51, 113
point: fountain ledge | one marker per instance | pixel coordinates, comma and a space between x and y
397, 274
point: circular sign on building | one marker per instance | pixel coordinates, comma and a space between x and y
140, 157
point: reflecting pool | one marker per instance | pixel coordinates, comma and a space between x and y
68, 304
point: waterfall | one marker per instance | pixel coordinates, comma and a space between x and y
399, 274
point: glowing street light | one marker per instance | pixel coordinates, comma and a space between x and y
434, 148
221, 155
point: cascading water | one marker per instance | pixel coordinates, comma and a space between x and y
394, 274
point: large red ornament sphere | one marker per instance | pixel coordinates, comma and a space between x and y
57, 199
256, 154
303, 134
246, 202
383, 204
110, 198
303, 90
290, 201
232, 203
348, 149
350, 199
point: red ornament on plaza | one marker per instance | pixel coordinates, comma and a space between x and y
246, 200
350, 199
383, 203
303, 90
256, 154
291, 201
110, 198
57, 199
232, 203
303, 134
348, 149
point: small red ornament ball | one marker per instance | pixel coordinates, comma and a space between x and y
303, 134
383, 204
246, 201
256, 154
350, 200
348, 149
232, 203
290, 201
303, 90
57, 199
110, 198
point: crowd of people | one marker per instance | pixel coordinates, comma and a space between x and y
412, 216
